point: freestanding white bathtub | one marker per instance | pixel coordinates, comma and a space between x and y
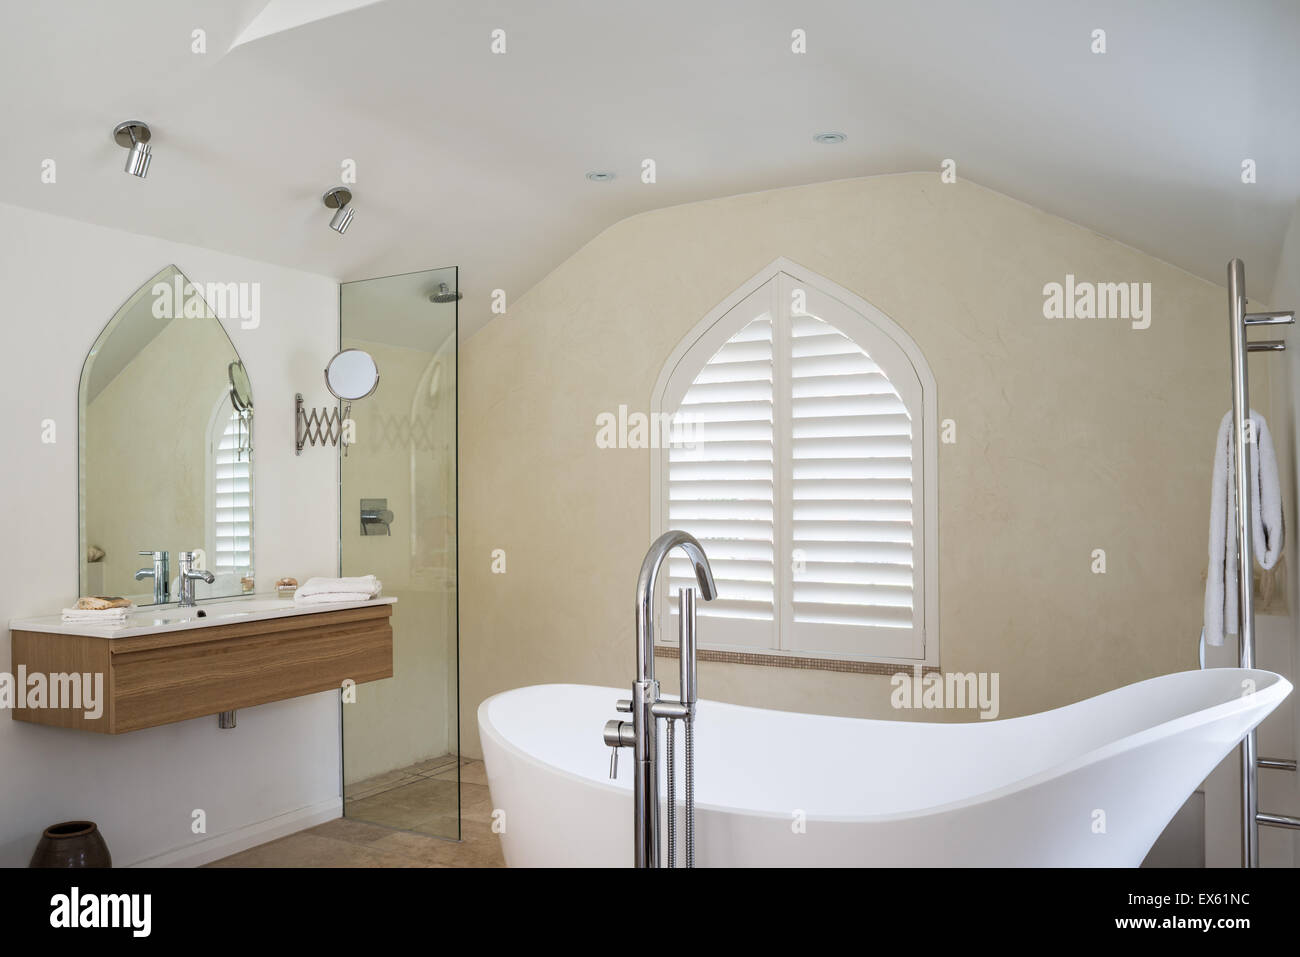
1091, 784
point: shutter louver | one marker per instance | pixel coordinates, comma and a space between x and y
851, 522
232, 501
721, 485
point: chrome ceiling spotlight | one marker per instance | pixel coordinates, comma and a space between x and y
337, 199
134, 135
444, 294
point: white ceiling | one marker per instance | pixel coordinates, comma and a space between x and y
472, 159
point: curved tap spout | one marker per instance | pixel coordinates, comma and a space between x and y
645, 591
188, 576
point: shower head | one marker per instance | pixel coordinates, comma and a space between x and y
444, 294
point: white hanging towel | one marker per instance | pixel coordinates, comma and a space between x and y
1221, 597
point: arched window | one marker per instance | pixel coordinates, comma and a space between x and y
802, 457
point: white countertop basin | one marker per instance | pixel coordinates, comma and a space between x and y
155, 619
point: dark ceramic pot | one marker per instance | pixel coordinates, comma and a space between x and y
72, 844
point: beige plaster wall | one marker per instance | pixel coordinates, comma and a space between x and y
1072, 435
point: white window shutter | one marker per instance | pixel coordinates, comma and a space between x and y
720, 486
851, 536
801, 477
232, 501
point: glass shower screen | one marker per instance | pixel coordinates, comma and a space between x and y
397, 501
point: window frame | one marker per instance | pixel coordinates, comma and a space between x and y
867, 325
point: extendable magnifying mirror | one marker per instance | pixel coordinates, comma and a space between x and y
351, 375
241, 397
241, 390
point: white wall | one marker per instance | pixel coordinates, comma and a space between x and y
62, 281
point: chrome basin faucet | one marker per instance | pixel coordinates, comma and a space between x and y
647, 707
188, 575
160, 575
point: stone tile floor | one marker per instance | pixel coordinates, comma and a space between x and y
401, 819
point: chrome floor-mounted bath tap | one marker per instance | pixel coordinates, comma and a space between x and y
647, 707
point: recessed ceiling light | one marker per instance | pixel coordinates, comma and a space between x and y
830, 139
600, 176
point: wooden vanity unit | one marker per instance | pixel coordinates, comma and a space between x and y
173, 674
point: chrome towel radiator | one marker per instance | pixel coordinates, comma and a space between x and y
647, 707
1239, 320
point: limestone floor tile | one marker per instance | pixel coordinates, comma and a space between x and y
380, 782
471, 772
409, 822
472, 852
306, 849
424, 803
433, 765
350, 829
481, 848
475, 802
368, 845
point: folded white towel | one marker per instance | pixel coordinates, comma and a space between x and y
355, 589
330, 598
1267, 529
103, 615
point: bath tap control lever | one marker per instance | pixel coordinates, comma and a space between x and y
618, 734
